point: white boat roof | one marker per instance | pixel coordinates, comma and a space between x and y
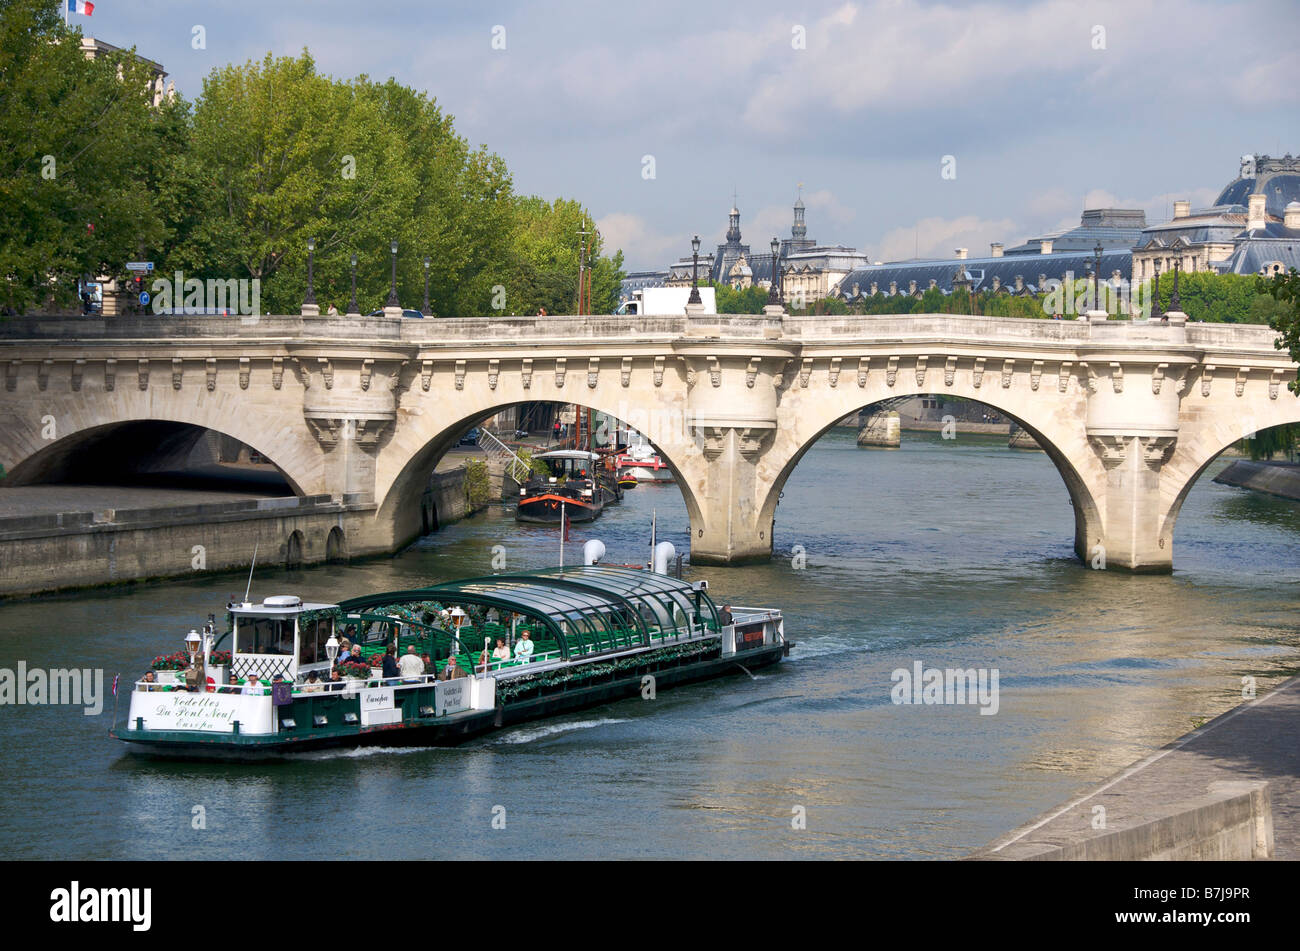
568, 454
252, 607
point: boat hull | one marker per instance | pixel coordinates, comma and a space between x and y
546, 510
449, 730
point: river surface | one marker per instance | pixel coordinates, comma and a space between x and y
950, 553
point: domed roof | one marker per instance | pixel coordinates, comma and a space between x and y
1276, 178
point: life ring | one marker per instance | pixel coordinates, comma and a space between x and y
212, 685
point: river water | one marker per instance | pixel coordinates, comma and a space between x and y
950, 553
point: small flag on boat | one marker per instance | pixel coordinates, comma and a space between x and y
116, 677
81, 6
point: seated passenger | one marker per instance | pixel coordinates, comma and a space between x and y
253, 687
346, 652
391, 671
411, 666
335, 681
313, 684
150, 680
724, 616
232, 686
428, 664
501, 652
524, 648
451, 671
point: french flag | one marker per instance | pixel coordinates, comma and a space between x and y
81, 6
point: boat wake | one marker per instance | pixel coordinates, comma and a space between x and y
361, 752
552, 729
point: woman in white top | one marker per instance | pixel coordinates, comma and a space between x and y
501, 652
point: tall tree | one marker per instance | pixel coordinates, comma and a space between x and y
1285, 290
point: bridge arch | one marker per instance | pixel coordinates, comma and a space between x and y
1201, 440
35, 447
411, 457
1061, 435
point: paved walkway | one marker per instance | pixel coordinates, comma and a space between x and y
1259, 740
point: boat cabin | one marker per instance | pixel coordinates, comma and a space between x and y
283, 635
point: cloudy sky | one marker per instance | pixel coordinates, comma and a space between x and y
1043, 107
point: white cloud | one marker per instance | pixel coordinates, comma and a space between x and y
939, 237
643, 248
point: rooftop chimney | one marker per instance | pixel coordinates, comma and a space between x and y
1045, 246
1020, 282
1291, 217
893, 288
1256, 217
996, 249
1182, 208
961, 254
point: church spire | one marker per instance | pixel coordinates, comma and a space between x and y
733, 229
799, 230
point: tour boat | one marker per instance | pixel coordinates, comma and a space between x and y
642, 463
597, 634
575, 484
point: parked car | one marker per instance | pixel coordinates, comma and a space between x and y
405, 313
470, 438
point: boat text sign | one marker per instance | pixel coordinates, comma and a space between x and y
451, 696
377, 698
204, 712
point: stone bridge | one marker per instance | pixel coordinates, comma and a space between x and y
361, 409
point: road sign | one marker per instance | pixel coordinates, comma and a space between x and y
145, 266
144, 298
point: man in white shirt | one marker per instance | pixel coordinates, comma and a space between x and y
411, 667
253, 687
524, 648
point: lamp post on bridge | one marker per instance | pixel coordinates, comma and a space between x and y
1096, 278
352, 304
1175, 305
1155, 293
695, 272
393, 307
774, 291
425, 311
309, 307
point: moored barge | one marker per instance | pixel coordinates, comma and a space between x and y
565, 638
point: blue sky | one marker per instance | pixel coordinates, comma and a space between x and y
1045, 106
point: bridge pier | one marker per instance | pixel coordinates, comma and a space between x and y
730, 529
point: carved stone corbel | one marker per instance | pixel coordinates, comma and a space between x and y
1274, 382
277, 372
526, 372
494, 371
460, 374
805, 371
1063, 376
1008, 368
1156, 450
593, 372
751, 372
949, 370
864, 367
367, 371
78, 370
659, 371
243, 372
921, 366
891, 371
978, 372
110, 375
625, 373
142, 373
1035, 375
426, 374
210, 371
778, 380
1117, 377
715, 371
835, 371
177, 368
1242, 373
11, 375
1112, 450
43, 374
560, 371
1158, 377
1207, 377
326, 372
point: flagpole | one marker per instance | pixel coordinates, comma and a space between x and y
562, 534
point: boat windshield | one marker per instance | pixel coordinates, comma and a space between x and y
264, 635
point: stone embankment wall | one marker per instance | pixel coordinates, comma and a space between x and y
1274, 478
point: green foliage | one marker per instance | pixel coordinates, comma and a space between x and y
82, 151
1275, 441
749, 300
1219, 298
478, 487
1284, 289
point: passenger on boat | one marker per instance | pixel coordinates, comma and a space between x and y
232, 686
524, 648
501, 652
428, 664
724, 616
411, 666
150, 681
313, 684
335, 681
391, 670
346, 652
252, 687
451, 671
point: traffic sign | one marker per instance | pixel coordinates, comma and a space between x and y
139, 265
144, 298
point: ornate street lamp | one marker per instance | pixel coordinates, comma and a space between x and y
193, 643
1096, 278
311, 266
332, 649
426, 288
1155, 293
774, 292
392, 291
1175, 304
695, 272
352, 305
